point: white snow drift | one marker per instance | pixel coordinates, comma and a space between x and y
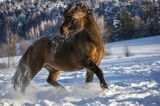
133, 81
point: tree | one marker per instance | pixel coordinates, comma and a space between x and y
124, 25
152, 14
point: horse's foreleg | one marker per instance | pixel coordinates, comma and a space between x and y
52, 78
89, 76
94, 68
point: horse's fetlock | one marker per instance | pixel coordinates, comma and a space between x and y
104, 85
49, 80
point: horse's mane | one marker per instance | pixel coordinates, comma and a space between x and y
76, 7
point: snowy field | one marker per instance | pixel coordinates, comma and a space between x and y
133, 81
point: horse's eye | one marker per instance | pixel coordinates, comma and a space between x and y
72, 22
68, 18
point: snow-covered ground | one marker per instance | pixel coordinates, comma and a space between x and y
133, 81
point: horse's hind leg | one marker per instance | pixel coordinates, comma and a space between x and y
52, 79
53, 75
89, 76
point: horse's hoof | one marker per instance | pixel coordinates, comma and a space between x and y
104, 86
60, 88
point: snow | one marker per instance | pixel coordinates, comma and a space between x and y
143, 47
133, 81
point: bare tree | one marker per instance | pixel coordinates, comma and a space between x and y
127, 51
11, 49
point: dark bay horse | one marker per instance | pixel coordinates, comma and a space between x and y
79, 46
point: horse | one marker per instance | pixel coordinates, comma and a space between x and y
79, 46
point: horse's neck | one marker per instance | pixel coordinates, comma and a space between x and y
93, 31
92, 27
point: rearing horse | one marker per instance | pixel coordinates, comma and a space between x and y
79, 47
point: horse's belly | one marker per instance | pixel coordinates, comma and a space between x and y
68, 67
67, 63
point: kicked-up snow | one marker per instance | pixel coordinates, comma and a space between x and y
133, 81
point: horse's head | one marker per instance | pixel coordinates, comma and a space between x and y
75, 19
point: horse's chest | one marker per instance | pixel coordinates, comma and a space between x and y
96, 53
93, 52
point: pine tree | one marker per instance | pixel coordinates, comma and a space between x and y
124, 26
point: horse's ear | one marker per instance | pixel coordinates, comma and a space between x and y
79, 14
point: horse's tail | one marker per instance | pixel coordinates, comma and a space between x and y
21, 77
